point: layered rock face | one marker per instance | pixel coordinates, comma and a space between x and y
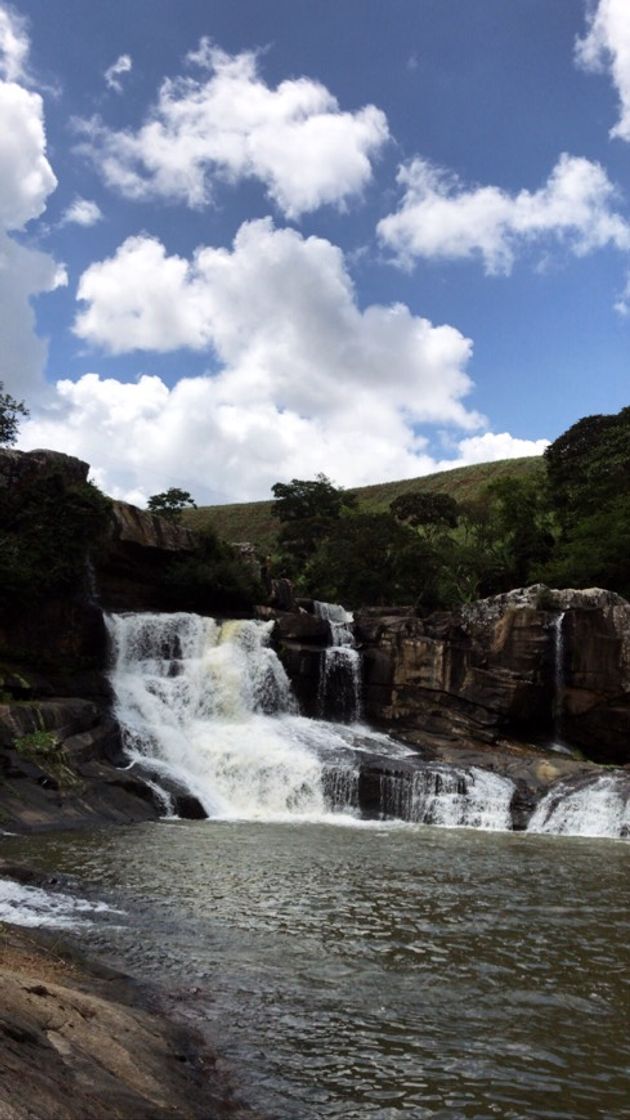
59, 745
531, 664
129, 571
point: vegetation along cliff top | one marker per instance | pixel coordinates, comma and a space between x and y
254, 521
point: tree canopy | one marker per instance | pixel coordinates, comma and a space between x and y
10, 413
300, 499
171, 503
423, 510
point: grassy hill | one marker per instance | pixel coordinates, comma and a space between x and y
254, 522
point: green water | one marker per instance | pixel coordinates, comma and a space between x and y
375, 973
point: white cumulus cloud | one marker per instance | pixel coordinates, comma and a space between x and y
306, 379
439, 218
26, 177
113, 74
230, 125
142, 437
14, 44
26, 180
606, 46
280, 313
81, 212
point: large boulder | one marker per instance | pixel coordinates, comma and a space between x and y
21, 468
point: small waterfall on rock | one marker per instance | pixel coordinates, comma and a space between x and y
340, 674
558, 680
449, 797
597, 806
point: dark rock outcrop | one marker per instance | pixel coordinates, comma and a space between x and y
79, 1041
499, 668
58, 763
129, 570
22, 468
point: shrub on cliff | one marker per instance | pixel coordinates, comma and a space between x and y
49, 528
213, 579
10, 412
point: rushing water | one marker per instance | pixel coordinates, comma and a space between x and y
377, 973
209, 707
340, 672
599, 808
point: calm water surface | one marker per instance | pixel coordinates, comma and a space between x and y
376, 973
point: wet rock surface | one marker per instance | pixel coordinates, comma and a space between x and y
80, 1041
59, 768
494, 669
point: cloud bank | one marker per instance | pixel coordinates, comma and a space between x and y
26, 181
440, 219
307, 380
229, 125
606, 47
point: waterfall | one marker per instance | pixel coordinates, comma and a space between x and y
558, 678
201, 704
449, 797
596, 807
339, 694
207, 707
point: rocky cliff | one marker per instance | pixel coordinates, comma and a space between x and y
534, 664
130, 567
58, 743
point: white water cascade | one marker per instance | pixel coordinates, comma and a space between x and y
202, 704
340, 674
450, 798
599, 807
558, 680
206, 708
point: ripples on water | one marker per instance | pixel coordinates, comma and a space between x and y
383, 972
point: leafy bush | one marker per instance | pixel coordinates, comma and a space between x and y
214, 578
48, 530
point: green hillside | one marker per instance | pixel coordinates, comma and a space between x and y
253, 521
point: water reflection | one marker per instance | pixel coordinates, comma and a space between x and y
374, 974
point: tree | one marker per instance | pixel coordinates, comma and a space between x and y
433, 513
10, 411
589, 464
308, 509
300, 500
370, 558
171, 503
588, 469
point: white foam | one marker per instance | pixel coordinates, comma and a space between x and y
599, 808
32, 906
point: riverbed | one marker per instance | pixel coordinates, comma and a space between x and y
375, 971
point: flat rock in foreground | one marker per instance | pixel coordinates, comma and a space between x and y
76, 1043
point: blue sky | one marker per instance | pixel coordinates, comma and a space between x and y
248, 241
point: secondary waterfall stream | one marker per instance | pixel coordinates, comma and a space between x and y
558, 679
340, 673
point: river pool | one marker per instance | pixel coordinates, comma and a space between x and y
374, 972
